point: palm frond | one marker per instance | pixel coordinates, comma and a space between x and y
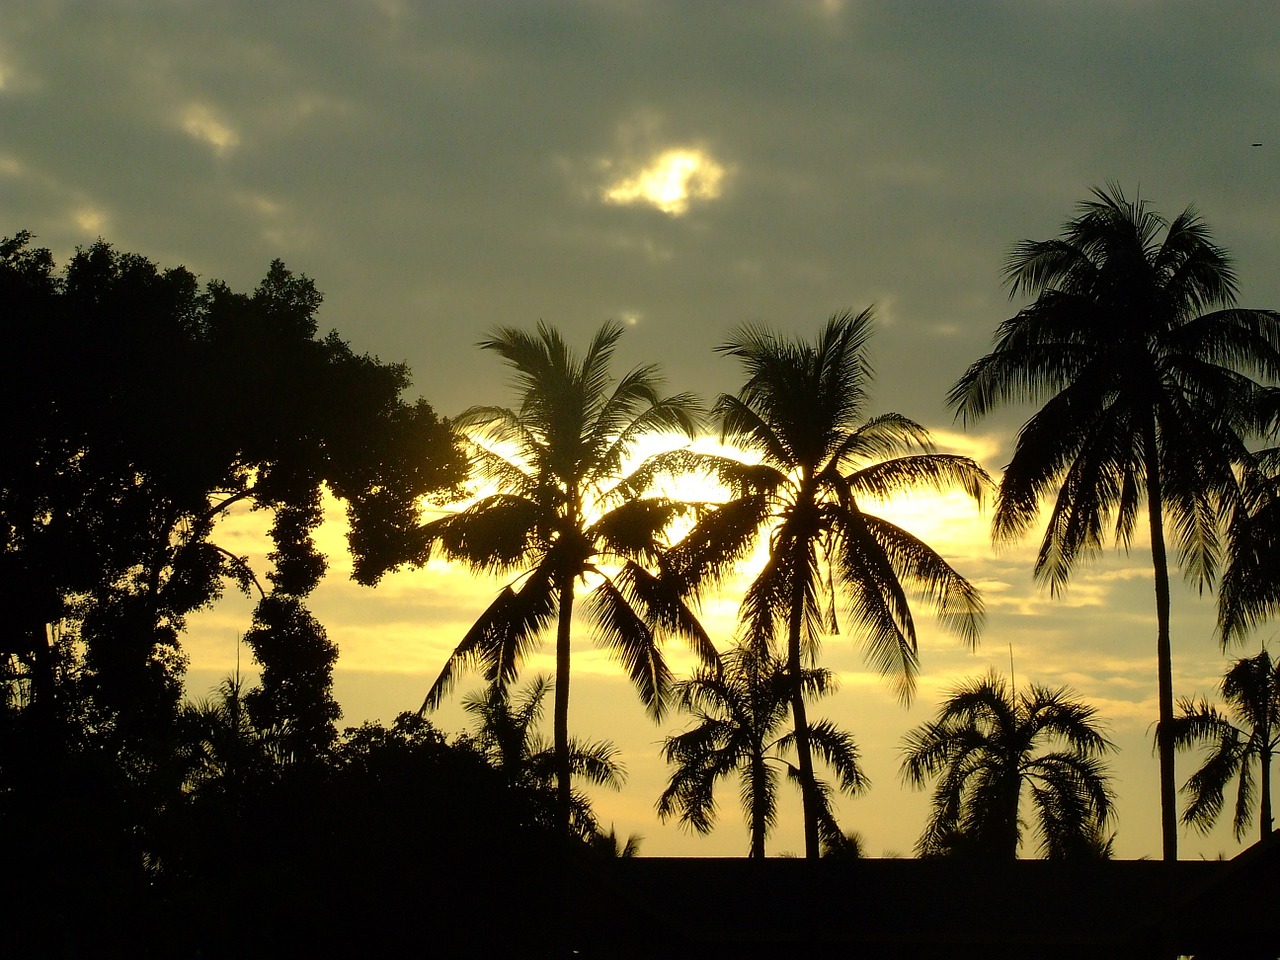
620, 629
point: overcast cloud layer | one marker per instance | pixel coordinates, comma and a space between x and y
439, 169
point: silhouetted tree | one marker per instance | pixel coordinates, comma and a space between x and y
507, 736
136, 410
741, 710
612, 846
565, 513
802, 410
985, 747
1233, 751
1146, 401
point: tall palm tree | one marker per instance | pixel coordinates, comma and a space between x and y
1146, 399
985, 746
564, 514
741, 713
1252, 691
507, 735
802, 412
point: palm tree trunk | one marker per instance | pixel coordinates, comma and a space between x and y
804, 754
759, 810
564, 801
1264, 801
1164, 652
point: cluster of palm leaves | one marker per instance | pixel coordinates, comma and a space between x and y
507, 736
1145, 371
984, 748
1240, 751
742, 728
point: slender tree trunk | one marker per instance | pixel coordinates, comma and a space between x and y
1264, 800
564, 795
1013, 794
757, 807
804, 755
1164, 652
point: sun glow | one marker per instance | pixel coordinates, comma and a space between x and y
670, 181
200, 123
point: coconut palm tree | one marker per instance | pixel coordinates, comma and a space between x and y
985, 745
613, 847
741, 712
1146, 400
507, 736
821, 461
563, 514
1232, 751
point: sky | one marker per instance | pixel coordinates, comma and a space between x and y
440, 169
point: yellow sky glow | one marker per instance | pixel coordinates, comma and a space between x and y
200, 123
670, 181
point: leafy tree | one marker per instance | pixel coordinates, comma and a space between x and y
1232, 751
802, 411
985, 746
136, 410
295, 695
506, 734
565, 513
741, 710
1146, 401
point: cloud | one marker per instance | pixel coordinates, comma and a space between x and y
670, 181
201, 123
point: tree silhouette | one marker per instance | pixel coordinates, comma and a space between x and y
1232, 751
985, 746
136, 410
741, 711
802, 411
565, 513
506, 734
613, 847
1146, 399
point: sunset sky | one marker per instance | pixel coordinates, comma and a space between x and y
442, 168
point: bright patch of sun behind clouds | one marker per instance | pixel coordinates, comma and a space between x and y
670, 181
200, 123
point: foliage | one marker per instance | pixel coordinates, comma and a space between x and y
1146, 400
741, 710
1233, 751
822, 459
565, 512
507, 736
136, 410
985, 747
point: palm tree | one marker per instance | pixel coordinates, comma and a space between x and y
802, 412
985, 746
613, 847
220, 748
564, 514
507, 736
1146, 400
741, 713
1252, 691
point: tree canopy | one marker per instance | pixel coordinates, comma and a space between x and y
136, 409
